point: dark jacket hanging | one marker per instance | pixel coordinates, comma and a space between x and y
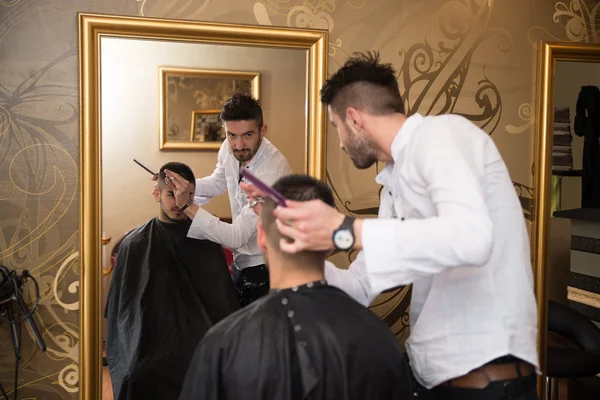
587, 125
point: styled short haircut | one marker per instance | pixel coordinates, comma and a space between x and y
242, 107
179, 168
298, 188
363, 83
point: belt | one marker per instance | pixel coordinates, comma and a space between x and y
480, 377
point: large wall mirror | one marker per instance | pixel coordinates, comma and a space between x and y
128, 66
566, 227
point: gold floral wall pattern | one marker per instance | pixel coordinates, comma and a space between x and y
471, 57
579, 21
38, 191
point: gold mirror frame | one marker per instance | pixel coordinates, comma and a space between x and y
164, 144
91, 28
548, 54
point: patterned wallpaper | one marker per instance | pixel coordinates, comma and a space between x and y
471, 57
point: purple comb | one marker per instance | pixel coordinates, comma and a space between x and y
269, 191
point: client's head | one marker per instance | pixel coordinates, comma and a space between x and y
163, 193
297, 188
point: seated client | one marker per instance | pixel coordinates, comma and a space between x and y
303, 340
167, 291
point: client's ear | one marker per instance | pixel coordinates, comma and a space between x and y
156, 193
261, 237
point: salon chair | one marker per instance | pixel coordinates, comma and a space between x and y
581, 358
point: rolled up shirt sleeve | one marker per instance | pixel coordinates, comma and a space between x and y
239, 232
234, 235
451, 168
353, 281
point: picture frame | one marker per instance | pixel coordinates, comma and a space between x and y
93, 28
207, 127
200, 93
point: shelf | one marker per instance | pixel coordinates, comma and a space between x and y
574, 172
581, 214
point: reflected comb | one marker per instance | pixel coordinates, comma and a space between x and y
143, 166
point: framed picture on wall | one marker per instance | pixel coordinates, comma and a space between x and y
207, 127
200, 93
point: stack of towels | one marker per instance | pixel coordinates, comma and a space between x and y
562, 157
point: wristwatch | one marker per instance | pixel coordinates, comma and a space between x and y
187, 204
343, 237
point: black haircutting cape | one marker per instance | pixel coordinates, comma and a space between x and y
310, 342
166, 292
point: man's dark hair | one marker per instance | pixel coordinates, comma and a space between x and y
363, 83
179, 168
242, 107
298, 188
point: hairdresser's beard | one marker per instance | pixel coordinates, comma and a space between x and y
362, 151
246, 155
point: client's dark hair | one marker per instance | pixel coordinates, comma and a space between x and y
363, 83
242, 107
297, 188
179, 168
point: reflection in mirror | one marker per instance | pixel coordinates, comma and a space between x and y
574, 229
198, 80
206, 127
197, 95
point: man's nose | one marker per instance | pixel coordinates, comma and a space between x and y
235, 140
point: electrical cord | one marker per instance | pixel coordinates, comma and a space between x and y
25, 276
11, 290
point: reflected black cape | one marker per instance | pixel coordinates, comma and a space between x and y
314, 342
166, 292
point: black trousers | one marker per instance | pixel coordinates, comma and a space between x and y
521, 388
250, 283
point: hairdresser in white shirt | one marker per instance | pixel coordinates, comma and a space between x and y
245, 146
450, 223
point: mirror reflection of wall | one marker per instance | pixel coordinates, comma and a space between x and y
571, 77
567, 265
574, 236
130, 104
130, 117
573, 262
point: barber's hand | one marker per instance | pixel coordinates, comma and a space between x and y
254, 195
181, 187
309, 223
154, 177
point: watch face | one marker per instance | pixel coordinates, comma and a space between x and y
343, 239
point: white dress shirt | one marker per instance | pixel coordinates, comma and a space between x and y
451, 224
268, 164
